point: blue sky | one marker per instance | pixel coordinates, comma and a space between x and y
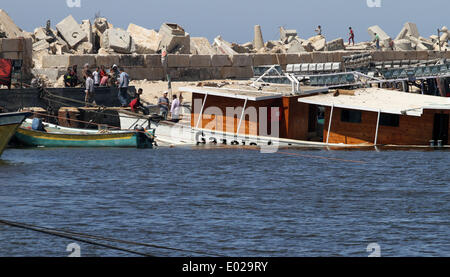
234, 19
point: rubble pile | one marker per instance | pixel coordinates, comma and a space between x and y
102, 38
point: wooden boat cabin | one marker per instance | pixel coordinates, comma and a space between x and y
243, 110
383, 117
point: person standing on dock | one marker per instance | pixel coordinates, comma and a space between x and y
90, 89
175, 109
351, 37
96, 77
163, 103
68, 82
124, 81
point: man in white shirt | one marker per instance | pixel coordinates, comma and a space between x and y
96, 77
175, 109
89, 88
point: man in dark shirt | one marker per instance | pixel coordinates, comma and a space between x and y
68, 78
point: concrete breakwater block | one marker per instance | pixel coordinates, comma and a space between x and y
199, 61
71, 31
241, 60
220, 60
118, 40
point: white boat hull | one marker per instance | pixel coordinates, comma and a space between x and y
171, 133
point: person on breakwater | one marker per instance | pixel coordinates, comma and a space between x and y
319, 30
352, 36
377, 41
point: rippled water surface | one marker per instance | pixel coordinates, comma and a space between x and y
233, 202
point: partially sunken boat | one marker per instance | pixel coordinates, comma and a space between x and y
310, 116
242, 114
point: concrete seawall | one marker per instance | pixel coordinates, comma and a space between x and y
205, 67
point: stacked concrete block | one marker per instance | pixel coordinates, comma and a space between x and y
286, 36
41, 45
56, 61
409, 29
81, 60
175, 61
306, 58
132, 60
241, 60
403, 45
201, 46
262, 59
220, 60
174, 39
318, 43
71, 31
107, 60
199, 61
223, 47
153, 61
8, 26
295, 46
335, 45
292, 59
118, 40
147, 41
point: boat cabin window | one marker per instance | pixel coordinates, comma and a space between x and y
391, 120
351, 116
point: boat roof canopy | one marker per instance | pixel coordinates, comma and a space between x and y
380, 100
245, 91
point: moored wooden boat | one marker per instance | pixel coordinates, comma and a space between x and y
33, 138
9, 122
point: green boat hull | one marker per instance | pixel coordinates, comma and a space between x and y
28, 137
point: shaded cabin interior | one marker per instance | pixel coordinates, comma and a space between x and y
415, 120
351, 126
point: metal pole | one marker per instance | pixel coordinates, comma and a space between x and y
329, 124
200, 116
439, 39
242, 116
378, 126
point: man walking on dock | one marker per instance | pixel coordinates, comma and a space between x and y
124, 81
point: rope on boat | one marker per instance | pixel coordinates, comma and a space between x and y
78, 237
